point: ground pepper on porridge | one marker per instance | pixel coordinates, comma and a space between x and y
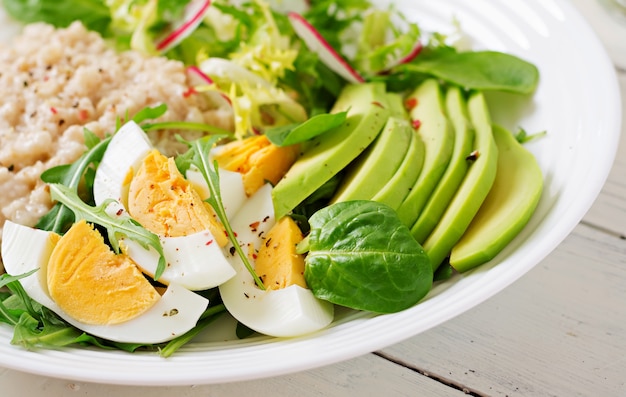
56, 82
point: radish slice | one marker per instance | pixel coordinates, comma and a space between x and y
194, 12
316, 43
198, 78
415, 51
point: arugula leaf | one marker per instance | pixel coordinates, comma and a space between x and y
198, 156
30, 334
522, 136
186, 125
149, 113
301, 132
8, 314
479, 70
60, 218
362, 256
116, 227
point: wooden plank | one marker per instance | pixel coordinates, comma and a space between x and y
368, 375
558, 331
609, 209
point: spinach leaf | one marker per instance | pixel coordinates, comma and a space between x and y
301, 132
94, 14
480, 70
360, 255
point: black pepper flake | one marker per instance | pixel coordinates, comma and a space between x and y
268, 241
232, 250
246, 295
61, 122
473, 156
172, 312
25, 83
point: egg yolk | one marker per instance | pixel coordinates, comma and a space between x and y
277, 264
94, 285
258, 160
164, 202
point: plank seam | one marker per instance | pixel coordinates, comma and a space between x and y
438, 378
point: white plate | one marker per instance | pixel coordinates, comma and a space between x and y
577, 102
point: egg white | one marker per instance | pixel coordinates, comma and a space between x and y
286, 312
192, 261
231, 188
177, 311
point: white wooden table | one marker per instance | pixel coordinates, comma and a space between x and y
558, 331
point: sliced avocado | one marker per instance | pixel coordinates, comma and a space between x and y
329, 153
369, 173
436, 133
508, 207
401, 183
473, 189
457, 168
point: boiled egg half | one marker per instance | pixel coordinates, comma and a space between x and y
94, 289
146, 186
284, 312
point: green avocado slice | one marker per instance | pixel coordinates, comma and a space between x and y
473, 190
370, 171
508, 207
457, 168
401, 183
327, 154
436, 133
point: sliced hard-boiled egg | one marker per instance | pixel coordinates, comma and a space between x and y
168, 206
25, 249
257, 159
93, 284
231, 188
127, 149
285, 312
166, 203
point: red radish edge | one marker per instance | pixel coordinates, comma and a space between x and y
415, 51
199, 73
311, 37
186, 27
